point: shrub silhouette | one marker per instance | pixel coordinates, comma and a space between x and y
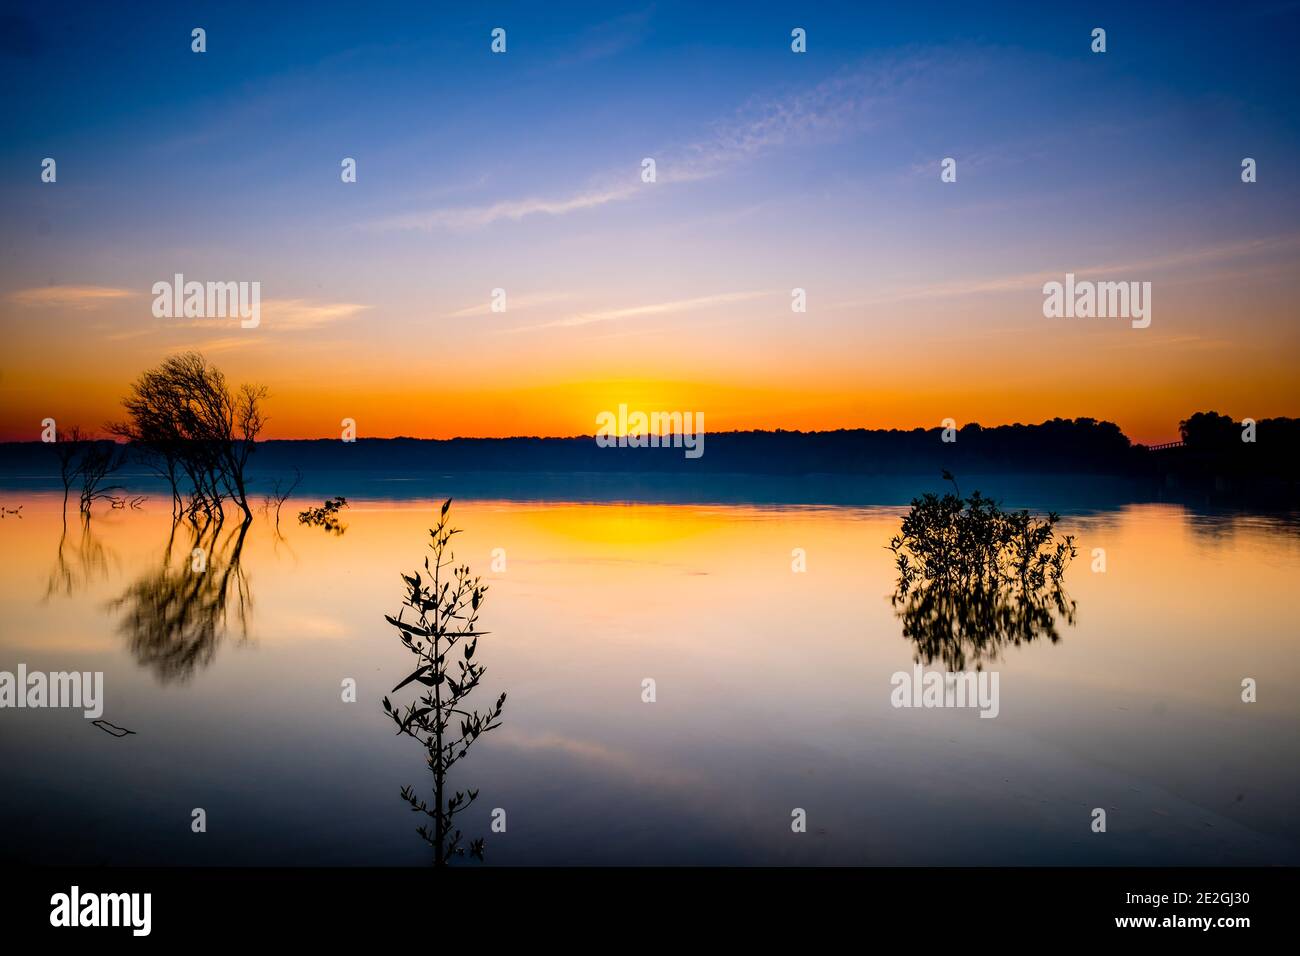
973, 578
445, 606
326, 516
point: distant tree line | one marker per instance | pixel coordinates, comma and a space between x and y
1220, 447
1060, 445
201, 446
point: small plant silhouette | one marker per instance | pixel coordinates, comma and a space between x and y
281, 491
973, 578
445, 605
326, 516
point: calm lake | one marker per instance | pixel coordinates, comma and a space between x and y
772, 688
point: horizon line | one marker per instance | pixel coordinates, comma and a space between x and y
893, 429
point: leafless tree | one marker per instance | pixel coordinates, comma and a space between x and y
67, 446
281, 492
197, 429
88, 460
99, 461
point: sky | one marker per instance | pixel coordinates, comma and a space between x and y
775, 171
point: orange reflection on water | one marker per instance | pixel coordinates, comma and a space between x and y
772, 686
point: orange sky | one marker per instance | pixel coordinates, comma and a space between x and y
824, 172
746, 363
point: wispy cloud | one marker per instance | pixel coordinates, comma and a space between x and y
70, 296
510, 209
299, 315
226, 343
640, 311
1185, 258
515, 303
277, 316
842, 105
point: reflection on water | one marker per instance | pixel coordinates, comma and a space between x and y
773, 690
969, 629
974, 578
79, 561
175, 616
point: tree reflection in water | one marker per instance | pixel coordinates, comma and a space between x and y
973, 579
78, 562
175, 618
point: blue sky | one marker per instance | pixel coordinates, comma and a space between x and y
775, 170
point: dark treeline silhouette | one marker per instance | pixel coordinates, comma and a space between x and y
1059, 445
1216, 446
1081, 445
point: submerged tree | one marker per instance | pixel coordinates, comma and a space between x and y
281, 491
99, 461
67, 448
195, 429
442, 634
973, 578
89, 460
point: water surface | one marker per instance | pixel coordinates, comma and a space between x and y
773, 690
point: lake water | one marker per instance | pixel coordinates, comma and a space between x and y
772, 689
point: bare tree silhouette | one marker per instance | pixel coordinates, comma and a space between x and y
281, 491
185, 417
90, 461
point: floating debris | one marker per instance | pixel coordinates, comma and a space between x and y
113, 729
